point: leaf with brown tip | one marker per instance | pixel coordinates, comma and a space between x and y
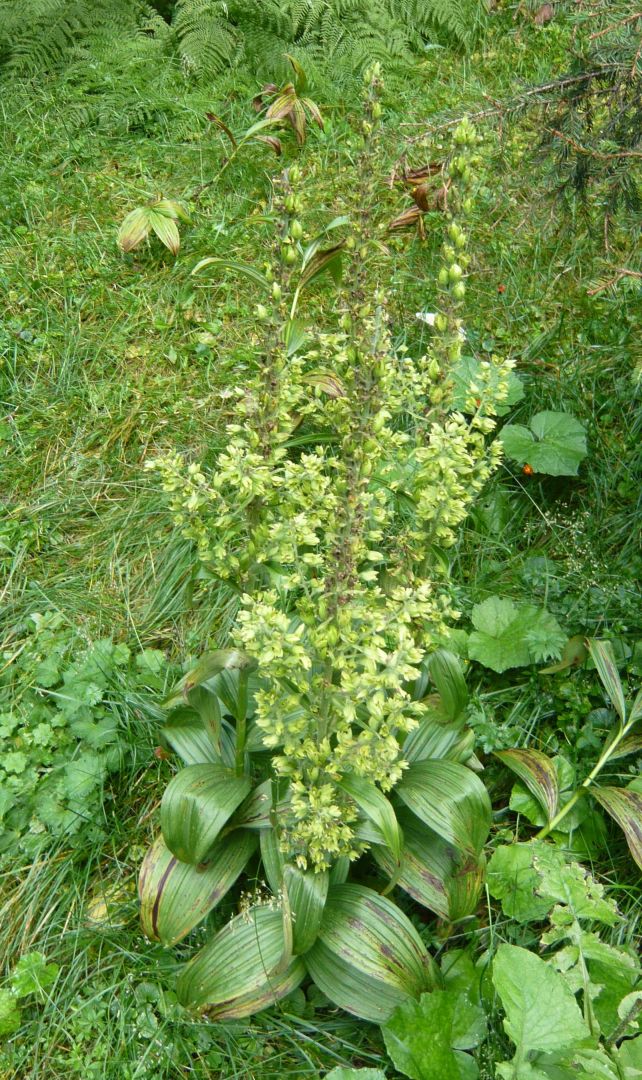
175, 896
134, 229
539, 774
625, 806
166, 230
222, 126
405, 220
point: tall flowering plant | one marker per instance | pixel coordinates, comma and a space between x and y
315, 740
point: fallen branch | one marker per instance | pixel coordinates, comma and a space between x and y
624, 272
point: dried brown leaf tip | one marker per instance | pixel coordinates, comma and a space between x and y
286, 104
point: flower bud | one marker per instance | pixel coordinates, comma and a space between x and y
261, 311
294, 174
289, 203
455, 273
277, 291
459, 290
441, 322
443, 279
376, 110
296, 230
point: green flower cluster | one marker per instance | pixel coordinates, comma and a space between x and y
333, 550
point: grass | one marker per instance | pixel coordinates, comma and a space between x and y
107, 359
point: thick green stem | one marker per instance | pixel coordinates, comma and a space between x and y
586, 783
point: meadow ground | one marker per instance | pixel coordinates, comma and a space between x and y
108, 359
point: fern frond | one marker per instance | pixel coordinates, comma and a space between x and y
39, 35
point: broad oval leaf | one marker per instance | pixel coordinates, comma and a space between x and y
434, 739
326, 259
166, 230
239, 973
257, 811
426, 864
539, 774
432, 872
209, 666
447, 675
604, 659
465, 886
340, 871
368, 957
207, 706
186, 734
625, 806
307, 892
449, 798
541, 1011
134, 228
175, 896
272, 859
377, 808
195, 807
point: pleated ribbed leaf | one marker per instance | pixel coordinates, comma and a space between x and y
377, 809
175, 896
307, 893
625, 806
432, 872
272, 859
188, 737
368, 957
465, 886
340, 870
539, 774
447, 675
426, 865
256, 811
209, 665
434, 739
450, 799
196, 805
239, 973
604, 659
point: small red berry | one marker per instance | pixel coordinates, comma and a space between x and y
501, 288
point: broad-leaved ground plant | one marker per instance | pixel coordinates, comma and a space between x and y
314, 738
